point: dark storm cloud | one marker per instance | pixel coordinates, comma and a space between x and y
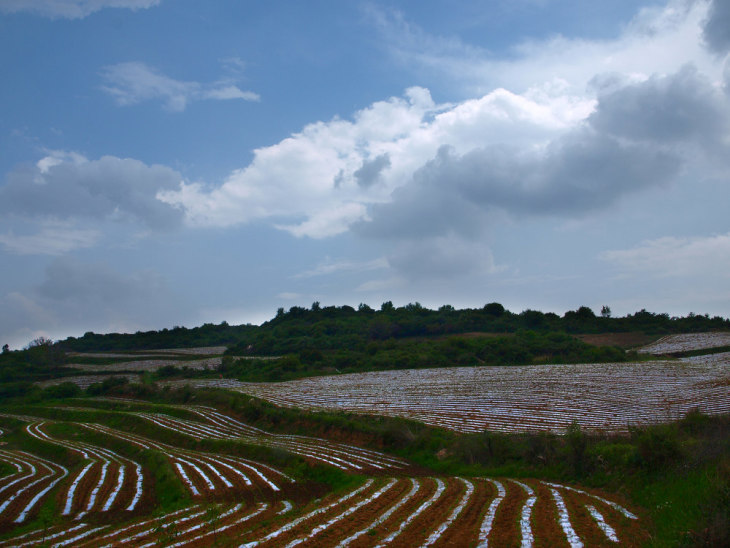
717, 26
370, 171
106, 188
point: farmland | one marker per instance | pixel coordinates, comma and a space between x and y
600, 397
91, 495
687, 342
168, 446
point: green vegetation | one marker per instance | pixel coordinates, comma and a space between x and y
331, 327
328, 340
178, 337
521, 348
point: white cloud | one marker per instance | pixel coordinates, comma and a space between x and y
658, 40
71, 9
691, 258
50, 240
225, 93
314, 178
133, 82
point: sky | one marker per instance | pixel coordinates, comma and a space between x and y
175, 162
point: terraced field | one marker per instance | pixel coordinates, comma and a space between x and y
104, 497
601, 397
687, 342
208, 357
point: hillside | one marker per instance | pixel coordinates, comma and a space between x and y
398, 428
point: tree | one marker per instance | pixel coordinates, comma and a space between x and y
44, 353
6, 349
606, 311
494, 309
40, 341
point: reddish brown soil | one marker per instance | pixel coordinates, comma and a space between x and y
506, 525
622, 340
428, 487
360, 519
422, 527
545, 525
465, 530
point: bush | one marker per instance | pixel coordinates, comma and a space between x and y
63, 390
656, 446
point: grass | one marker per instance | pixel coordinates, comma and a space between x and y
169, 491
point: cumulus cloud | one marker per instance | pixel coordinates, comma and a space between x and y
320, 181
370, 171
665, 109
69, 186
574, 175
133, 82
71, 9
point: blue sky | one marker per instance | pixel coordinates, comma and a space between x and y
170, 162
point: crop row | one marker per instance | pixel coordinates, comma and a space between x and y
188, 526
106, 481
380, 512
216, 425
686, 342
451, 511
604, 397
148, 365
204, 473
22, 491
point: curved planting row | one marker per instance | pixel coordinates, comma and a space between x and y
194, 525
107, 481
204, 473
220, 426
451, 512
396, 512
22, 492
604, 397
